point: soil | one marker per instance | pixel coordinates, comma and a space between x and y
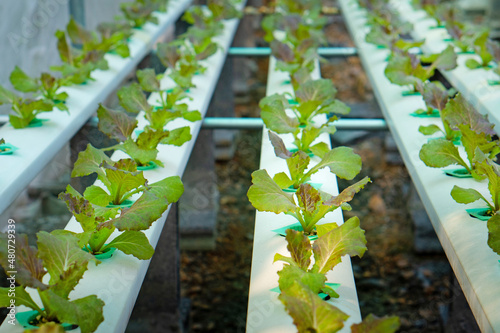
391, 278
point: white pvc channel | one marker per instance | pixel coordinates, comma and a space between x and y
266, 313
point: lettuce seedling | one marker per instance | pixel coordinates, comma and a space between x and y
77, 64
142, 149
300, 283
341, 161
115, 36
224, 9
60, 256
133, 100
313, 98
182, 62
480, 45
476, 132
204, 19
46, 86
332, 244
24, 110
98, 223
291, 59
462, 35
406, 69
491, 170
140, 12
311, 206
436, 97
200, 41
386, 28
121, 179
297, 28
311, 313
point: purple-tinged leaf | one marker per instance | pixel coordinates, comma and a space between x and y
279, 146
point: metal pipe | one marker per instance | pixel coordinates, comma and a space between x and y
257, 123
266, 51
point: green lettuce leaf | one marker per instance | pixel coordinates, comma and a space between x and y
372, 324
134, 243
309, 312
22, 82
133, 99
494, 233
266, 195
342, 161
59, 253
348, 239
90, 161
148, 80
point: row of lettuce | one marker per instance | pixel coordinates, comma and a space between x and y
295, 31
122, 200
461, 127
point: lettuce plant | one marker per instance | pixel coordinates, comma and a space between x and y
462, 35
115, 36
406, 69
300, 281
133, 100
436, 97
386, 27
341, 161
480, 46
182, 62
143, 148
24, 110
200, 41
140, 12
297, 27
491, 170
59, 256
210, 18
46, 87
44, 97
310, 205
119, 126
312, 98
78, 64
332, 244
98, 222
291, 59
121, 179
476, 132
